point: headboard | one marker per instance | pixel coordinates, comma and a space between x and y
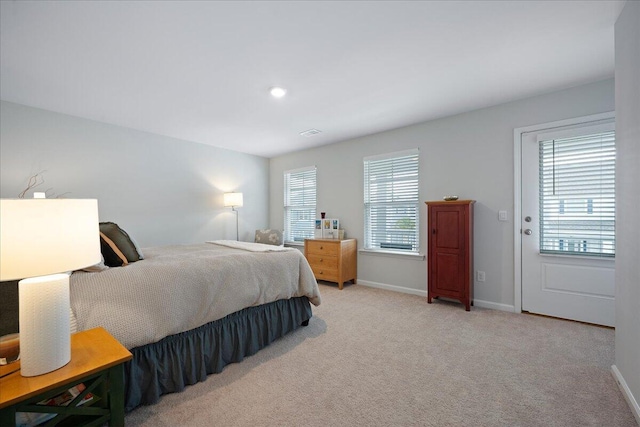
8, 307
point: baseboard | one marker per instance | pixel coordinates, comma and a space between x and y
494, 305
421, 293
626, 392
394, 288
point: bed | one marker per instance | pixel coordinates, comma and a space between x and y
186, 311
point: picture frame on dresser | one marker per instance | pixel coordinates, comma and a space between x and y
327, 228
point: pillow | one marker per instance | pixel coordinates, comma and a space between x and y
96, 267
269, 237
140, 255
117, 247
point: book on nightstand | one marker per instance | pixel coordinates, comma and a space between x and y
32, 419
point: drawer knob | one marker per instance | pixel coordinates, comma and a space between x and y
321, 247
321, 260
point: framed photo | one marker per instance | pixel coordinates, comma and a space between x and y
330, 227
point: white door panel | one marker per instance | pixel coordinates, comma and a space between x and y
578, 280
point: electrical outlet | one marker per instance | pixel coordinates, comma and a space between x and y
480, 276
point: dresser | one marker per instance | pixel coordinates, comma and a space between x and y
450, 257
333, 260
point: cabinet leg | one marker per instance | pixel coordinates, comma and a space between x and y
467, 306
8, 416
116, 395
429, 300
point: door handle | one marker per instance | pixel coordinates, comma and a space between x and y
528, 232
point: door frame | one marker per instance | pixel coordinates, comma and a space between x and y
517, 191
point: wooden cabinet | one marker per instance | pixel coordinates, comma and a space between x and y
97, 361
450, 258
332, 260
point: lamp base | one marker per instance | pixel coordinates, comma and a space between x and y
45, 327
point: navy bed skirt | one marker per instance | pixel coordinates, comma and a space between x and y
186, 358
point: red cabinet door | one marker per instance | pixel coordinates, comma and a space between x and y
449, 259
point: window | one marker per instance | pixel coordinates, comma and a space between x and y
299, 204
391, 210
577, 195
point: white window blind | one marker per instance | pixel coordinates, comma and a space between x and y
391, 213
299, 204
577, 195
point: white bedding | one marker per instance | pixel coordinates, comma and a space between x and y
178, 288
251, 247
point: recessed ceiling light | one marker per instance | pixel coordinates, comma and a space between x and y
277, 92
310, 132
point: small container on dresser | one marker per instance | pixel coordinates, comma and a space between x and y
450, 257
332, 260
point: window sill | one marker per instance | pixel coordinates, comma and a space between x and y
392, 254
610, 259
294, 244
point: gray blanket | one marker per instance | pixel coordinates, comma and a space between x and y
178, 288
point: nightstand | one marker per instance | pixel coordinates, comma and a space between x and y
333, 260
96, 361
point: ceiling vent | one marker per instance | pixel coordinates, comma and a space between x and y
310, 132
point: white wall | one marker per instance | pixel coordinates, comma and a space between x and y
627, 367
159, 189
470, 155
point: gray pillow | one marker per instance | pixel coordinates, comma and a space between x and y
269, 237
96, 268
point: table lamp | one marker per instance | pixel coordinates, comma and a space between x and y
41, 242
233, 200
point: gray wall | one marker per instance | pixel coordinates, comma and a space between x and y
470, 155
628, 200
159, 189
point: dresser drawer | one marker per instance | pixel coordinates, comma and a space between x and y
323, 273
322, 248
327, 261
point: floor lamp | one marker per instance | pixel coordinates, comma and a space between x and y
233, 200
41, 241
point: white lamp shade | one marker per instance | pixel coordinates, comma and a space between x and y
233, 199
46, 236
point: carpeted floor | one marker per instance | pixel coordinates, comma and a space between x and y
371, 357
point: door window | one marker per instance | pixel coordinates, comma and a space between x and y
577, 195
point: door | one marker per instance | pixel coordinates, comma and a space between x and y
567, 222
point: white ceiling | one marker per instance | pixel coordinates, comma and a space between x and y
200, 71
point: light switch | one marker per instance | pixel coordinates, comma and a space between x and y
502, 216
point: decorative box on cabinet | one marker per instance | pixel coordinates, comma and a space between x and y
450, 257
333, 260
